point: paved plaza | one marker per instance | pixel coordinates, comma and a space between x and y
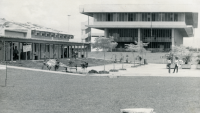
149, 70
143, 70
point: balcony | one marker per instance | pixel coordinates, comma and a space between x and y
138, 24
146, 39
157, 39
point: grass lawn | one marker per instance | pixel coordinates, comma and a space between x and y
40, 92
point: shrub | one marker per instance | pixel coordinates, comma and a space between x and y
84, 65
113, 70
92, 71
198, 59
103, 72
187, 58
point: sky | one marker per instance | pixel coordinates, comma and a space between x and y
54, 13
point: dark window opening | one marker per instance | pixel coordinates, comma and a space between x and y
153, 17
35, 47
108, 17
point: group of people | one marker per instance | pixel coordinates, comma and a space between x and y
176, 62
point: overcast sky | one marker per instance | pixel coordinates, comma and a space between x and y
54, 13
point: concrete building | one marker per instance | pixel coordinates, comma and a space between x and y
88, 35
160, 26
34, 42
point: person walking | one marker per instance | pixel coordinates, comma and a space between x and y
169, 64
176, 65
15, 53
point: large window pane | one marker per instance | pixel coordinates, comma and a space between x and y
175, 17
181, 17
130, 17
163, 17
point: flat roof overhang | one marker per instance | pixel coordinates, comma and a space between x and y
111, 8
34, 40
89, 9
17, 30
186, 31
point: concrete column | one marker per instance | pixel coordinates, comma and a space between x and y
53, 51
39, 51
26, 54
67, 51
49, 51
69, 55
19, 51
173, 42
79, 53
28, 33
33, 50
106, 32
11, 55
87, 51
63, 50
58, 51
71, 51
81, 50
139, 37
4, 46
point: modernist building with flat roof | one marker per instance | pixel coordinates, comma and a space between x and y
162, 26
26, 41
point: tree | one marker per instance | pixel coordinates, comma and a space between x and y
137, 47
132, 47
112, 46
105, 44
179, 51
122, 61
142, 50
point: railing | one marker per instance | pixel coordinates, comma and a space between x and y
125, 39
153, 50
157, 39
146, 39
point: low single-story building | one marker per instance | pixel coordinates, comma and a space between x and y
28, 41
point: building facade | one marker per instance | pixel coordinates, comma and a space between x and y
159, 26
26, 41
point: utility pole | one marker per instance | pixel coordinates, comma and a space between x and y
68, 22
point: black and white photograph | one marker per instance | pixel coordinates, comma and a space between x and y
99, 56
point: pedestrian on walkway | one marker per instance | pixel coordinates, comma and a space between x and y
176, 65
169, 64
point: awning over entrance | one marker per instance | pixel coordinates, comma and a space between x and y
35, 40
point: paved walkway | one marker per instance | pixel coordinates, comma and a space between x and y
144, 70
149, 70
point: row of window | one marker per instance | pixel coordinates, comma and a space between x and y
145, 39
147, 35
156, 32
156, 39
126, 39
158, 45
139, 17
123, 32
51, 35
144, 32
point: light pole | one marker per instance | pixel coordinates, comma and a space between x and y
68, 22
